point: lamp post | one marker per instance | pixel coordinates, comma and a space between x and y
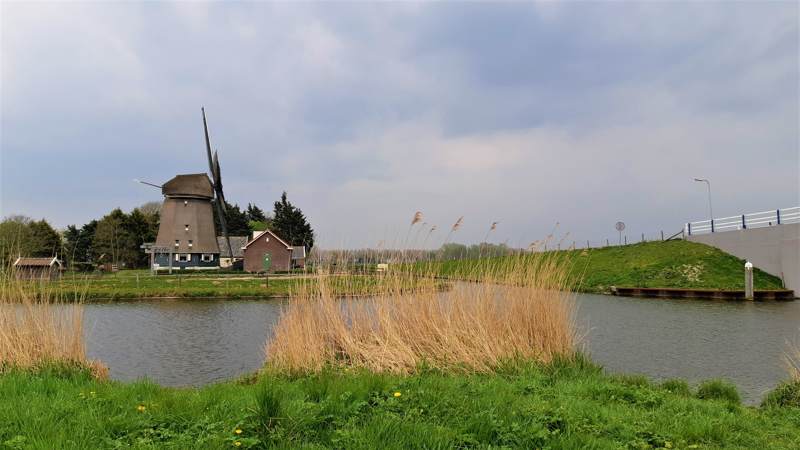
708, 183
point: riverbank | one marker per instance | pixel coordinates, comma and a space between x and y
560, 405
136, 284
670, 264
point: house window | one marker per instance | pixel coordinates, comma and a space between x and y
186, 227
185, 202
190, 243
177, 242
207, 257
183, 257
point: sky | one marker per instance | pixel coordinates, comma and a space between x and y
526, 114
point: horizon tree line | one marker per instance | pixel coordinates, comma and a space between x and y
118, 236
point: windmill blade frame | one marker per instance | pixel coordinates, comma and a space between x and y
213, 167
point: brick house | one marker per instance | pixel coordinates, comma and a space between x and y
264, 242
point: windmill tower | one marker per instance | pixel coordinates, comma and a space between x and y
187, 238
187, 224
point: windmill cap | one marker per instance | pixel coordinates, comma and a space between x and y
189, 185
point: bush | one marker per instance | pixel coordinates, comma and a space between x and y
719, 390
676, 386
785, 395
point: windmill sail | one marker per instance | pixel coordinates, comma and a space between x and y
213, 167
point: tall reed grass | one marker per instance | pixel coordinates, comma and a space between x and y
519, 307
793, 360
39, 326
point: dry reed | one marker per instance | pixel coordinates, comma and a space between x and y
793, 360
520, 308
39, 327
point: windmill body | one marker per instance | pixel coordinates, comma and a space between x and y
187, 224
187, 238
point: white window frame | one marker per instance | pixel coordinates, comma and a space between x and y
207, 257
190, 243
177, 243
179, 257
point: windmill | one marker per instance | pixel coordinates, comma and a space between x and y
186, 229
216, 182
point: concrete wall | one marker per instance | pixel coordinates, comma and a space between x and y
775, 249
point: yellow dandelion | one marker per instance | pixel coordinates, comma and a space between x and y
238, 431
237, 444
141, 408
397, 394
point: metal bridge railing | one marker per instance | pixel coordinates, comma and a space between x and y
745, 221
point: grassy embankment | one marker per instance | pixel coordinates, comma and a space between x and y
140, 284
671, 264
569, 405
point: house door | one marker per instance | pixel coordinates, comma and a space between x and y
266, 261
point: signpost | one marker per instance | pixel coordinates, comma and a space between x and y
620, 226
153, 250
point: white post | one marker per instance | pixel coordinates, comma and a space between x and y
748, 280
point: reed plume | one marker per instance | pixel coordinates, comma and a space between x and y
40, 326
520, 310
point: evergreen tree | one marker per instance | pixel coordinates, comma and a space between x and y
78, 243
139, 229
238, 224
256, 218
291, 225
255, 214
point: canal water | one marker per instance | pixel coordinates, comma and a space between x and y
194, 342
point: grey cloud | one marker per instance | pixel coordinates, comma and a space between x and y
524, 113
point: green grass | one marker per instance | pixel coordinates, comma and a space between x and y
670, 264
563, 405
140, 284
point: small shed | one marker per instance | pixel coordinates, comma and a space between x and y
37, 268
299, 257
267, 243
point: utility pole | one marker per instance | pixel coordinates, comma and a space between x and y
708, 184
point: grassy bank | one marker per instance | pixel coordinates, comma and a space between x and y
671, 264
560, 405
140, 284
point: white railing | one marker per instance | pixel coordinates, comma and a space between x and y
745, 221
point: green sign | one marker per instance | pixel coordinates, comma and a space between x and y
267, 261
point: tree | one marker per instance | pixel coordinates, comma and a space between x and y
78, 243
256, 219
21, 236
238, 224
139, 229
290, 224
152, 209
109, 237
255, 214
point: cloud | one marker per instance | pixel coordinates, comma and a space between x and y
528, 114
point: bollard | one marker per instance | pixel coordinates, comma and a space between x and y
748, 280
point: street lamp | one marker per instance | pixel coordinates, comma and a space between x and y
708, 183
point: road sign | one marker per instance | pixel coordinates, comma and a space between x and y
267, 262
620, 226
